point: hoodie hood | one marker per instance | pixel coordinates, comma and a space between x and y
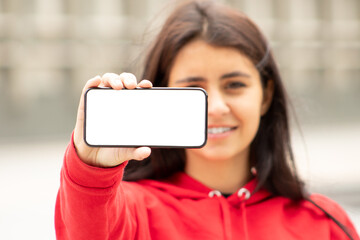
182, 186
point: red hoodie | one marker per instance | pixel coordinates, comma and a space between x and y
93, 203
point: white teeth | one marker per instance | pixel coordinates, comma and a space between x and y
218, 130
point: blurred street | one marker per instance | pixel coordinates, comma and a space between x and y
29, 178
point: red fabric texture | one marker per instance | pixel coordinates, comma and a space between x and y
94, 203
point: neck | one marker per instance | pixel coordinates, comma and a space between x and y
225, 175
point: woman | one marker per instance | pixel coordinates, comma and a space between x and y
241, 185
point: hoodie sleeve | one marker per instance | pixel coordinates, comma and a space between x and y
89, 204
339, 214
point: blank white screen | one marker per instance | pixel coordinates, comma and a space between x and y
146, 117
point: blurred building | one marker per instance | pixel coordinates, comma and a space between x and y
49, 48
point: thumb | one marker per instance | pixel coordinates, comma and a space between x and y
141, 153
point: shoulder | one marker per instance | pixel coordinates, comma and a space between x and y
335, 214
330, 219
329, 205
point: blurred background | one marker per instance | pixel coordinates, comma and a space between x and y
50, 48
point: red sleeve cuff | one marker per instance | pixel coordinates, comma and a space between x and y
89, 176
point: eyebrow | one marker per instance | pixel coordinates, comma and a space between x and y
190, 80
201, 79
235, 74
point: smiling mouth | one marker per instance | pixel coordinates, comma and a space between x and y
220, 130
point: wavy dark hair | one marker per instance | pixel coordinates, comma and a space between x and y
218, 25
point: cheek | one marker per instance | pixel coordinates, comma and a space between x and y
248, 112
248, 106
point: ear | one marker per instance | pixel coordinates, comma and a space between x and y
267, 97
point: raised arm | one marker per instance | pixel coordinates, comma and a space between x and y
90, 203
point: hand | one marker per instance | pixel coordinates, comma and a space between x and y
107, 157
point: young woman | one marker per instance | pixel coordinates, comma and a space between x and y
241, 185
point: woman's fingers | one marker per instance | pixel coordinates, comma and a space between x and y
111, 80
115, 81
93, 82
129, 80
145, 84
141, 153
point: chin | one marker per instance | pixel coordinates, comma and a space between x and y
213, 154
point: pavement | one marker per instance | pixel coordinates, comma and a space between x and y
328, 159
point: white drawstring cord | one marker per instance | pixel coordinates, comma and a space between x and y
243, 191
215, 192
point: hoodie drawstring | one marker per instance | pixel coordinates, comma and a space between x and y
225, 212
227, 219
243, 195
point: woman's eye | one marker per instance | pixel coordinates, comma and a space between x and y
234, 85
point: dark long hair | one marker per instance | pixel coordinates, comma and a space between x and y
270, 151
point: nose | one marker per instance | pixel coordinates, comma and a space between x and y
217, 105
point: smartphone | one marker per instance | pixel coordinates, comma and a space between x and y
154, 117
